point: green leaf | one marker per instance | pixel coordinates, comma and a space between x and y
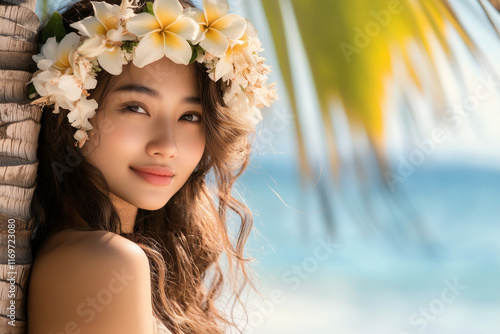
54, 28
197, 50
149, 8
129, 46
32, 93
194, 56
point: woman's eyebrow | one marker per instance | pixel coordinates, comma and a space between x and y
153, 93
138, 89
192, 100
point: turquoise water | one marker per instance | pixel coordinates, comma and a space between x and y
440, 275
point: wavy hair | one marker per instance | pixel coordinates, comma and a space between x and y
185, 240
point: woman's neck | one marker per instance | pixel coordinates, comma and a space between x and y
127, 216
126, 212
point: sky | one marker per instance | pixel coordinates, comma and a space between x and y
471, 141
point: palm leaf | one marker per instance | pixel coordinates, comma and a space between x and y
350, 44
352, 49
281, 47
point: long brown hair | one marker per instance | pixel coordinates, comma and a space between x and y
184, 240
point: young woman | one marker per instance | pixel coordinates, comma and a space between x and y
131, 218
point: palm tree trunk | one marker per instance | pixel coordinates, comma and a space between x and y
496, 4
19, 129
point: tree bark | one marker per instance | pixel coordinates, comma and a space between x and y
19, 129
496, 4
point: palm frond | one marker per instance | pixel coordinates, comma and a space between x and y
350, 47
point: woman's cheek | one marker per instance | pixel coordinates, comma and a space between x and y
125, 131
196, 142
193, 132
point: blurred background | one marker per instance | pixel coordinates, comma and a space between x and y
374, 179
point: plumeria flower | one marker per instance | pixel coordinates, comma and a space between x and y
109, 54
106, 35
57, 55
107, 20
84, 70
166, 33
79, 116
240, 58
49, 85
216, 26
59, 81
81, 137
240, 54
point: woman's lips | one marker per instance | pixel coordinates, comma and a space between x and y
158, 180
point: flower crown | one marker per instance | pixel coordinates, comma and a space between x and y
226, 44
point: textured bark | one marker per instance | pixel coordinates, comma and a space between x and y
496, 4
19, 129
30, 4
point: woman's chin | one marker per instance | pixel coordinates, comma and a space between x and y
152, 205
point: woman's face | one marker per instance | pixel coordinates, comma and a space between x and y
150, 118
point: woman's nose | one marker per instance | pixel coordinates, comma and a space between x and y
163, 143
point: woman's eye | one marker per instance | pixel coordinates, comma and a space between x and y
191, 117
136, 109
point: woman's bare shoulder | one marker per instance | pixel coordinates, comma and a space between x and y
95, 281
90, 242
85, 249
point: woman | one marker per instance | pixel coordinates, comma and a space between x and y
129, 233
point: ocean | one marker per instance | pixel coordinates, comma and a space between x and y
434, 267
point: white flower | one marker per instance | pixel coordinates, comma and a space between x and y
163, 34
106, 34
79, 118
109, 54
57, 55
80, 114
107, 20
246, 74
240, 55
57, 80
81, 137
216, 26
83, 70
